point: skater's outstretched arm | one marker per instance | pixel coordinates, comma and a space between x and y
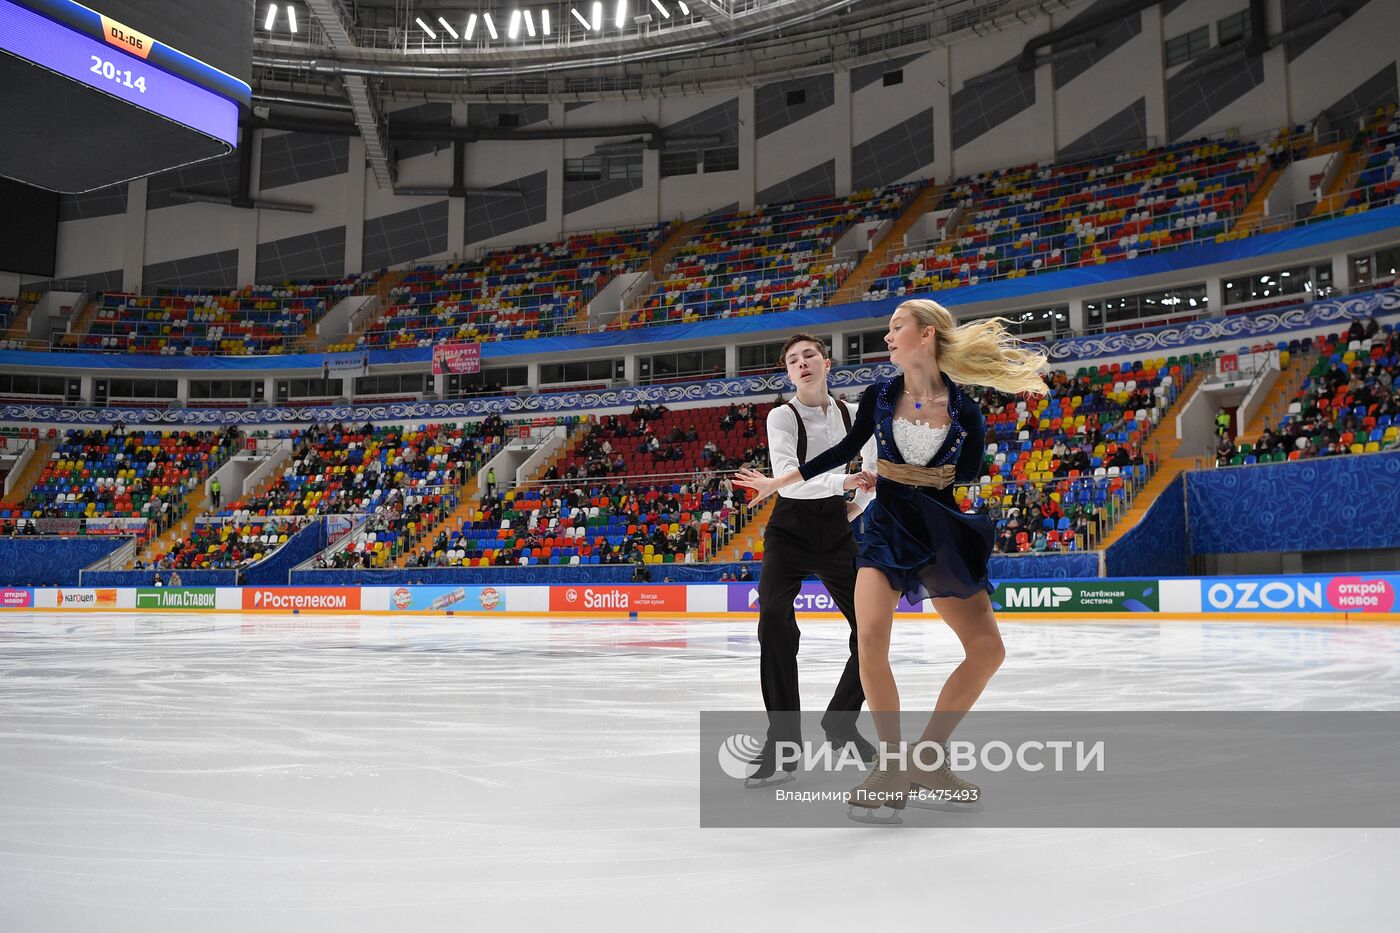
862, 428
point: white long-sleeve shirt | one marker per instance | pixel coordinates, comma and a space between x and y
825, 429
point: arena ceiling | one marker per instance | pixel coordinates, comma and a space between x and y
349, 60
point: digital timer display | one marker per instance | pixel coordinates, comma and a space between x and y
121, 62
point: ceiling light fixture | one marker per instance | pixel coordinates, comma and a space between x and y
426, 28
448, 26
621, 19
530, 24
271, 17
661, 9
514, 29
292, 17
471, 26
597, 15
490, 26
544, 21
579, 16
685, 10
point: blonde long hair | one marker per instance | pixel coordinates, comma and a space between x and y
981, 352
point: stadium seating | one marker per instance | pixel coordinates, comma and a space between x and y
1349, 403
609, 501
398, 478
774, 258
1035, 218
522, 292
1378, 174
116, 474
1058, 466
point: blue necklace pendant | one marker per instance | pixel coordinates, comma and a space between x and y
918, 405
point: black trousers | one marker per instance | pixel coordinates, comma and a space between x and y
805, 537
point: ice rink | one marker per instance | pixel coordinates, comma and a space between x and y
223, 772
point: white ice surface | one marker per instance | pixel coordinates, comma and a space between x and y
202, 773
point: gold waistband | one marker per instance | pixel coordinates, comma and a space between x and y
940, 477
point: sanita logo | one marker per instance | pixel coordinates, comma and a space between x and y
1037, 597
1276, 594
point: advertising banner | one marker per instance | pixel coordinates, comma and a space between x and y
76, 598
116, 526
1363, 592
813, 597
351, 363
469, 599
302, 598
1082, 597
621, 598
456, 358
175, 597
16, 597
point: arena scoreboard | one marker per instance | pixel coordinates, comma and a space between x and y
90, 99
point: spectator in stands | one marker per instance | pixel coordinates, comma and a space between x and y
158, 580
640, 574
744, 575
175, 578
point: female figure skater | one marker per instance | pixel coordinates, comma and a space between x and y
917, 542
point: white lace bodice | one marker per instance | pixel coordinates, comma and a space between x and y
918, 443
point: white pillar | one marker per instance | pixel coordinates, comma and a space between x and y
554, 175
1215, 296
134, 236
248, 219
748, 149
1154, 75
353, 197
1076, 315
941, 94
457, 207
841, 132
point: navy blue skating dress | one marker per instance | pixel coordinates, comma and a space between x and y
916, 534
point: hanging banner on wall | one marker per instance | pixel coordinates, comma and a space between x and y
456, 358
352, 363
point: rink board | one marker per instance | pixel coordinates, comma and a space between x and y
1368, 597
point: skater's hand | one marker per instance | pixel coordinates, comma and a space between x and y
864, 481
852, 512
762, 485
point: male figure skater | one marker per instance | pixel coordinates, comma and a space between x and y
808, 534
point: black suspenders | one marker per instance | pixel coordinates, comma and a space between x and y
802, 428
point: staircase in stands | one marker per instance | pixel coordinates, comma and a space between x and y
1168, 468
891, 244
80, 323
32, 471
660, 259
471, 491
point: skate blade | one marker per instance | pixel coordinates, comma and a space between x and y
879, 816
782, 777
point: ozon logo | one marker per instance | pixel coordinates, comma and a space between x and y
1276, 594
